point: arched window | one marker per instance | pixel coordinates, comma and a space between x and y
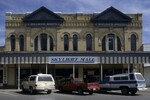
51, 43
104, 43
111, 42
21, 42
88, 42
12, 42
43, 38
66, 42
75, 42
133, 42
118, 44
36, 44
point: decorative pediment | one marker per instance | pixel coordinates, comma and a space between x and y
111, 15
43, 16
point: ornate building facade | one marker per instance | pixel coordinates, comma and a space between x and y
80, 44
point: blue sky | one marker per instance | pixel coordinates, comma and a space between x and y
73, 6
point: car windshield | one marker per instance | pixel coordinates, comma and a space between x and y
139, 76
44, 78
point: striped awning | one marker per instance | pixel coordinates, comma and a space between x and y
104, 58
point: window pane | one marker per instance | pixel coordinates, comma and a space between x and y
36, 44
13, 44
118, 44
66, 43
133, 42
43, 42
111, 41
21, 42
51, 43
88, 42
104, 43
75, 42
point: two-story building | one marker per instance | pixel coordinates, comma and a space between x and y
75, 44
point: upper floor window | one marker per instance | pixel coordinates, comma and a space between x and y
104, 43
88, 42
75, 42
36, 44
51, 43
111, 42
21, 42
133, 42
12, 42
43, 38
66, 42
118, 44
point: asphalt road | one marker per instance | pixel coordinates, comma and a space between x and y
17, 95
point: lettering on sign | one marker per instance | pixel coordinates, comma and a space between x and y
72, 60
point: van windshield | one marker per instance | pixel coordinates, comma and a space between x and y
139, 76
44, 78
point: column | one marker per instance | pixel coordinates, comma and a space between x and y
4, 74
73, 71
18, 76
17, 47
48, 43
101, 72
115, 43
128, 68
46, 69
80, 72
39, 43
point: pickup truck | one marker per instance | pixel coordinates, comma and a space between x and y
76, 84
38, 83
126, 82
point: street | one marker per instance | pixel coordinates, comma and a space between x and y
116, 95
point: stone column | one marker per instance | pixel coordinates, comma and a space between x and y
80, 71
39, 43
4, 74
48, 43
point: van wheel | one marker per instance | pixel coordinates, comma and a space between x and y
124, 91
31, 90
133, 92
80, 91
49, 91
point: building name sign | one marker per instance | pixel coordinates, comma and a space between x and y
73, 60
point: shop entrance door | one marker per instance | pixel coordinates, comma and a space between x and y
1, 77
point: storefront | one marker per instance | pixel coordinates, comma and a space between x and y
18, 66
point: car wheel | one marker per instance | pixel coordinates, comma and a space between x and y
49, 91
31, 90
23, 90
80, 91
60, 89
91, 92
124, 91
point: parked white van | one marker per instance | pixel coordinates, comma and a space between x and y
37, 83
126, 82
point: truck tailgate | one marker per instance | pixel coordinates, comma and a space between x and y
93, 86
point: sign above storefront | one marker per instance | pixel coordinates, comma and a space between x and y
73, 60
